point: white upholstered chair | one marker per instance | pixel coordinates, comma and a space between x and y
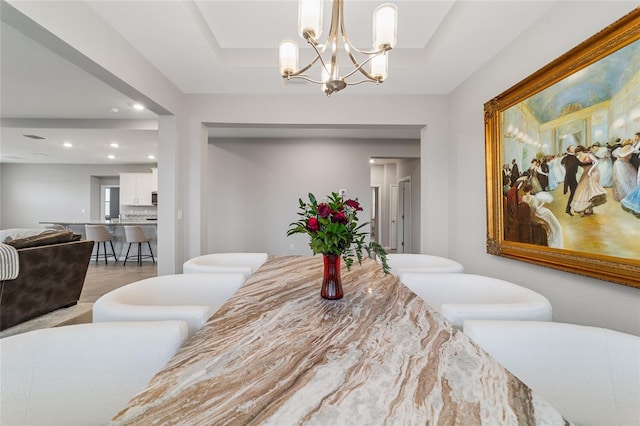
459, 297
81, 374
590, 374
192, 298
247, 263
409, 262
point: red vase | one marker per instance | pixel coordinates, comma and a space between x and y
331, 282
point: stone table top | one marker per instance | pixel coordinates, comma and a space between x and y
277, 353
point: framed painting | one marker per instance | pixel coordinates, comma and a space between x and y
563, 158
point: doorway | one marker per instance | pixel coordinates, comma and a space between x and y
395, 186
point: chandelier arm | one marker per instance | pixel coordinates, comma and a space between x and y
303, 77
359, 67
348, 46
355, 83
346, 42
319, 53
302, 70
332, 38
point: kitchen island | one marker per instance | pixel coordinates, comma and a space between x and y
116, 229
277, 353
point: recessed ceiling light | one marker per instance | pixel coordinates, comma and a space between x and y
67, 144
371, 160
114, 145
151, 157
138, 107
111, 156
114, 110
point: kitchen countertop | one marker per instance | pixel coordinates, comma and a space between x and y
277, 353
102, 222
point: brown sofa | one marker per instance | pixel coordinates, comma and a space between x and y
51, 277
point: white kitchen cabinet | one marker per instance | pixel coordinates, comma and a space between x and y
136, 188
154, 179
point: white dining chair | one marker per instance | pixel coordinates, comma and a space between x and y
246, 263
460, 297
99, 234
411, 262
81, 374
192, 298
590, 374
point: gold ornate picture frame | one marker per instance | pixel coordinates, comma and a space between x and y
561, 149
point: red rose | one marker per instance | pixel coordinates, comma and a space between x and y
324, 210
339, 217
353, 204
312, 224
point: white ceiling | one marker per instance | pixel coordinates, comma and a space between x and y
231, 47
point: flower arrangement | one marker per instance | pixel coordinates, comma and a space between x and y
332, 225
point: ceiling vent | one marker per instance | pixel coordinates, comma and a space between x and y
33, 136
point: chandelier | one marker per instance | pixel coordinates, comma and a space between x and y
385, 19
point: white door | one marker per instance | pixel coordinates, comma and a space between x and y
375, 214
393, 218
404, 217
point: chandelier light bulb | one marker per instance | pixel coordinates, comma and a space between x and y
379, 67
310, 18
385, 26
288, 57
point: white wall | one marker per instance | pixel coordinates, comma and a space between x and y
254, 186
575, 299
33, 193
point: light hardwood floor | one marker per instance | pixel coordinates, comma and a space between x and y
103, 278
100, 280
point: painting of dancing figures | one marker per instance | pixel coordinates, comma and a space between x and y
570, 161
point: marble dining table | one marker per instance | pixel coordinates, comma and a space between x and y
276, 353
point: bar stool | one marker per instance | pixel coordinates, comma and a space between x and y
99, 234
135, 234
